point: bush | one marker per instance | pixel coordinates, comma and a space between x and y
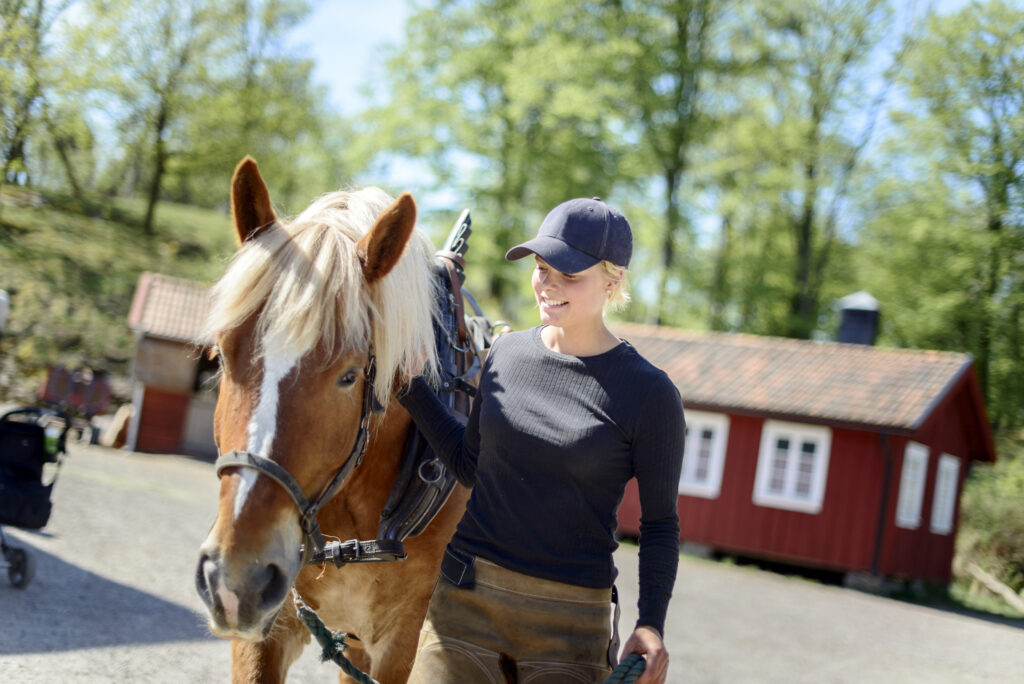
992, 515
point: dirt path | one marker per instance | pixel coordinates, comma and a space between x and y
113, 601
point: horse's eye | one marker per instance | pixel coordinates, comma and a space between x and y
347, 379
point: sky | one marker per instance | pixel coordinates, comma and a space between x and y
343, 37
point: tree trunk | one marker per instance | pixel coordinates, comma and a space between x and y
667, 244
719, 294
159, 165
803, 308
61, 146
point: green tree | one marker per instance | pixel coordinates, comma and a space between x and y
960, 190
819, 52
150, 62
261, 102
24, 28
664, 57
508, 104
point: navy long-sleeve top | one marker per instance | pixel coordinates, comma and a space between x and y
550, 444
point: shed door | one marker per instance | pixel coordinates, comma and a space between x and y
198, 436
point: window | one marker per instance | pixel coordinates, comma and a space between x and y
912, 479
944, 503
792, 466
704, 455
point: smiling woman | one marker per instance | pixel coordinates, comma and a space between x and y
565, 415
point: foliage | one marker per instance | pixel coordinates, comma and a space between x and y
162, 99
261, 101
944, 242
991, 517
504, 101
72, 276
781, 166
24, 28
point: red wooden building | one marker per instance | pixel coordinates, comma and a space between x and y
173, 398
836, 456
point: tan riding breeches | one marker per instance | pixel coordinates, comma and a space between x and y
511, 627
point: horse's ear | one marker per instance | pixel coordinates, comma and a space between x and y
381, 247
250, 200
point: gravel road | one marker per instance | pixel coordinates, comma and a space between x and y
113, 601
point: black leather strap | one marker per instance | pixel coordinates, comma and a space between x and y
247, 459
356, 551
457, 568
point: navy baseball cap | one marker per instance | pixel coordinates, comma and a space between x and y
579, 233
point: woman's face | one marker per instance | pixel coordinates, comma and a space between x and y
569, 299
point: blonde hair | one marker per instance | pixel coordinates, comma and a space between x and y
304, 281
617, 276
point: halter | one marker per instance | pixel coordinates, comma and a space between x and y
314, 550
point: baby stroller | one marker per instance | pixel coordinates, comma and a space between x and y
29, 439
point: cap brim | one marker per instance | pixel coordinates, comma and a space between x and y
557, 253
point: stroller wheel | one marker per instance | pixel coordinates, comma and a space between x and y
22, 568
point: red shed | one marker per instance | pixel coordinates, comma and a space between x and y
173, 397
829, 455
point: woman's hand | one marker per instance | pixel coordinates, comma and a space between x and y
647, 642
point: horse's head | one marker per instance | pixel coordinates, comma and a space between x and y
293, 320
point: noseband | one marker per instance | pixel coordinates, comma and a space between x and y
314, 549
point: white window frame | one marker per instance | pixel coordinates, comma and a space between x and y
697, 422
797, 434
913, 477
947, 477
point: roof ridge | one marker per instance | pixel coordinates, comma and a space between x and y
183, 282
762, 341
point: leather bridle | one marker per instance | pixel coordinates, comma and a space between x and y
314, 550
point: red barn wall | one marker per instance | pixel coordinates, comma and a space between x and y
922, 553
840, 537
162, 421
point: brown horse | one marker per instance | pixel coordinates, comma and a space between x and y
294, 320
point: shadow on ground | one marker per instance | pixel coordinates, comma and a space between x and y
67, 608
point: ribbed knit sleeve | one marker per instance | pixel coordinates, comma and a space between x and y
657, 461
456, 445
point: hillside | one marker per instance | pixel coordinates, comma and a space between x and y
71, 268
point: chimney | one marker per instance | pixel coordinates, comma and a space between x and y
858, 319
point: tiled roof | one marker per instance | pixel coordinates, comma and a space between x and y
826, 382
168, 307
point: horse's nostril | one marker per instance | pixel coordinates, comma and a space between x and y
206, 570
274, 588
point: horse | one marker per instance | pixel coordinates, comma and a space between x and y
306, 310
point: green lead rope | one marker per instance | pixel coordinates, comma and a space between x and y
332, 643
628, 671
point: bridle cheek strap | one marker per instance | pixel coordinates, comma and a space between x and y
313, 546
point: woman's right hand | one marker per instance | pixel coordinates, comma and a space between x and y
647, 642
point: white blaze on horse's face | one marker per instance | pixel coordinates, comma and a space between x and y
263, 423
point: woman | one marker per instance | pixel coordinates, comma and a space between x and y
566, 414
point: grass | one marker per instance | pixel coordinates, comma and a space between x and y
71, 267
962, 593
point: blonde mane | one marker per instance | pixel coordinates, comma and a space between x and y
304, 280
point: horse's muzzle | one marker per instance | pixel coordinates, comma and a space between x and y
242, 598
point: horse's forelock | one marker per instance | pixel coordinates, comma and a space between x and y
290, 274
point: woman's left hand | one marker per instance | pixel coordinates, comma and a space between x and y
647, 642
